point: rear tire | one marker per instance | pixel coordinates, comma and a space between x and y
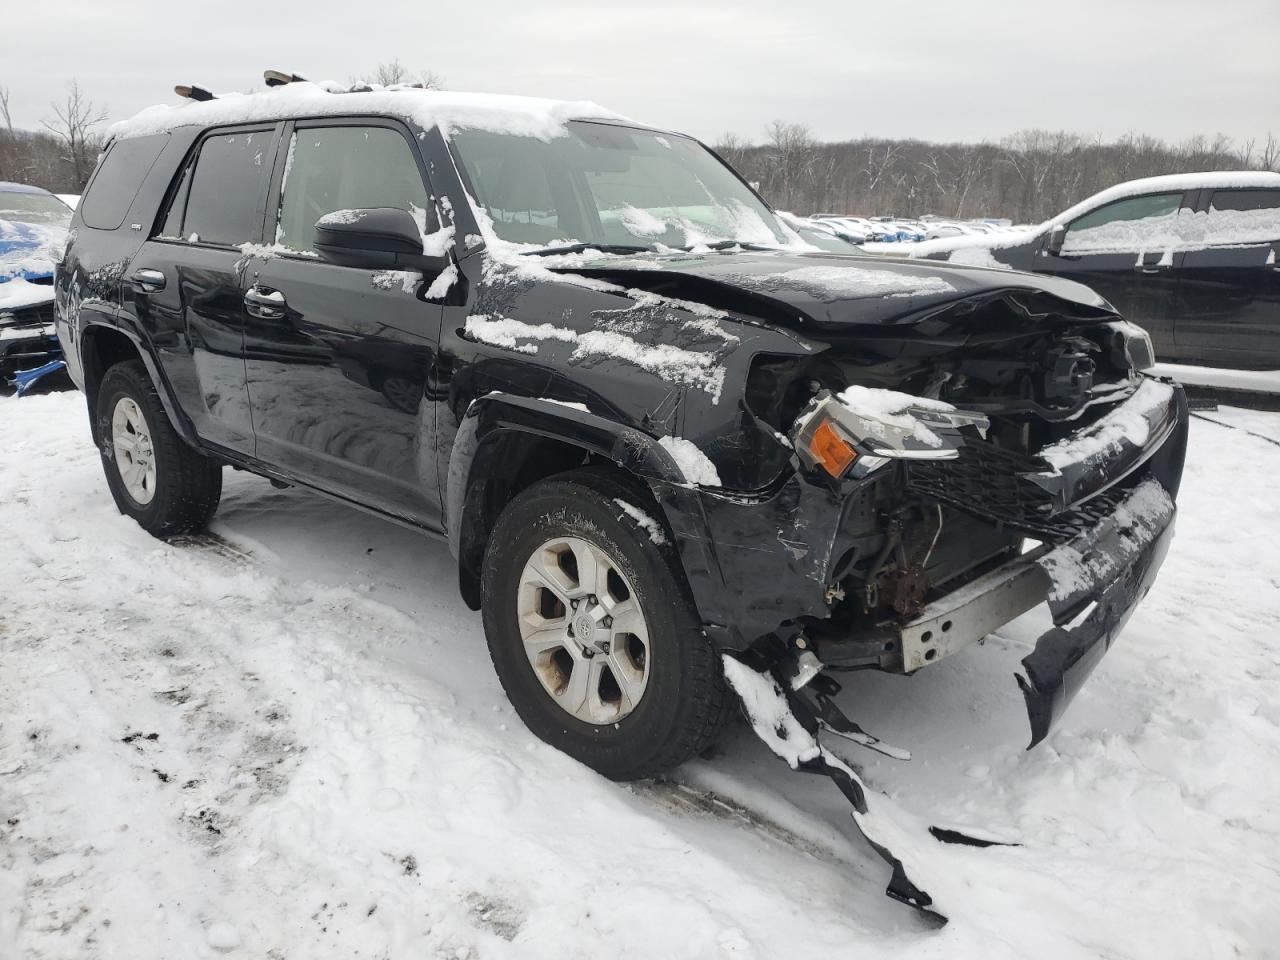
680, 702
154, 475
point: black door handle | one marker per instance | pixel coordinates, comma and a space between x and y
265, 304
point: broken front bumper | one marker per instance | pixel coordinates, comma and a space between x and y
1104, 507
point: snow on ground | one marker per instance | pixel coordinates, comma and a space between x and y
286, 740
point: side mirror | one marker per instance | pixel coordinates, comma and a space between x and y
380, 238
1053, 246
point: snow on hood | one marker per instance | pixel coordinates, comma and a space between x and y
835, 291
29, 250
519, 116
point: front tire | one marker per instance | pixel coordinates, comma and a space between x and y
154, 476
593, 632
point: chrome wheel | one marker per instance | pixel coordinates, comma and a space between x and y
583, 630
135, 459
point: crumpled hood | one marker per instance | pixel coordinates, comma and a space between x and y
28, 251
817, 291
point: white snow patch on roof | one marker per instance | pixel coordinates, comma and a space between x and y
521, 116
693, 463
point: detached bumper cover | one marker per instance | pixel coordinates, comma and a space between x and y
1100, 576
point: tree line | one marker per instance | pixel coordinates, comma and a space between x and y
1026, 177
62, 154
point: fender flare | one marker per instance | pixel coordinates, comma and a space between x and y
141, 345
497, 414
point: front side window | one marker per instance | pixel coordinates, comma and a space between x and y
1134, 224
345, 168
610, 185
225, 197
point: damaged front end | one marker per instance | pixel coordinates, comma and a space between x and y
938, 494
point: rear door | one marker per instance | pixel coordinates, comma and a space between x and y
1229, 283
1127, 251
187, 283
338, 357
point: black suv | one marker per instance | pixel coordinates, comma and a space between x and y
653, 425
1194, 258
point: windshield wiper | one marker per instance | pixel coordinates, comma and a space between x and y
727, 245
583, 247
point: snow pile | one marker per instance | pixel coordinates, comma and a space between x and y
885, 409
670, 363
1107, 436
642, 223
649, 525
29, 249
693, 463
846, 283
336, 773
337, 217
18, 293
770, 717
1143, 513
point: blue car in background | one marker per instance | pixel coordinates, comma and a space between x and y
33, 231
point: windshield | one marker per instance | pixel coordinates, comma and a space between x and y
605, 185
33, 208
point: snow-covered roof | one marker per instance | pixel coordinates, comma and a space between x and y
527, 116
1170, 183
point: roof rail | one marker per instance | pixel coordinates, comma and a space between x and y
278, 78
190, 91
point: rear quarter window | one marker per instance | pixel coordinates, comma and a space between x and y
117, 180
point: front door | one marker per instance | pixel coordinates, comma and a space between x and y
338, 357
1230, 282
1127, 251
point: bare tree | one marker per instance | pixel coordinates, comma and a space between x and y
394, 72
74, 127
4, 108
1269, 159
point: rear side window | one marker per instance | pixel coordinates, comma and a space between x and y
1245, 200
118, 179
1239, 217
227, 190
345, 168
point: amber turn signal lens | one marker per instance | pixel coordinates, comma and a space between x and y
831, 450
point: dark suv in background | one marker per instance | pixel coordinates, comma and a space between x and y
1193, 258
652, 424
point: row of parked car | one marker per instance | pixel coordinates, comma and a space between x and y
861, 230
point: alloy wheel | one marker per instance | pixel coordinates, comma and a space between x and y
583, 630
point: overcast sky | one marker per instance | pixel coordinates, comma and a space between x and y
971, 70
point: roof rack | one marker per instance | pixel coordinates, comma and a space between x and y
278, 78
189, 91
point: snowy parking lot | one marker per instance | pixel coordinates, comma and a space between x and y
285, 739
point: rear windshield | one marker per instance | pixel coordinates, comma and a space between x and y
117, 180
